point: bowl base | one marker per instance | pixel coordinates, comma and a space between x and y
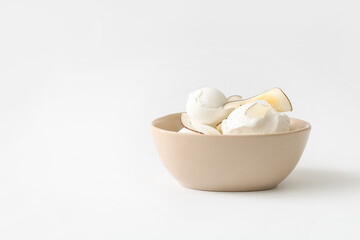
231, 189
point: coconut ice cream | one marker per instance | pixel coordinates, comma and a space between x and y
205, 106
209, 112
255, 118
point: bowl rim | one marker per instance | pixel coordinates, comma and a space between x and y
306, 128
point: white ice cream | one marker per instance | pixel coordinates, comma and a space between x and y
239, 123
204, 106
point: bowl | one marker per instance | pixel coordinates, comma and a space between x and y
228, 162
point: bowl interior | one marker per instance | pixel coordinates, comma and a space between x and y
172, 123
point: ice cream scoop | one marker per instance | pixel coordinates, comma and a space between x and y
205, 106
255, 118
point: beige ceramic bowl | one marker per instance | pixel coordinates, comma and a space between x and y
228, 163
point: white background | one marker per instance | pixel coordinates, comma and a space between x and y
80, 82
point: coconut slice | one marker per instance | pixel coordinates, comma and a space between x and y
257, 110
275, 97
218, 127
196, 127
205, 129
234, 98
186, 123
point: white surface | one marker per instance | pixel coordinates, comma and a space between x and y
80, 82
